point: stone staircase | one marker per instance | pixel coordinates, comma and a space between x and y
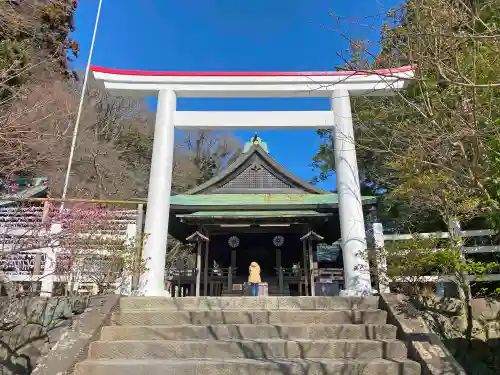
273, 289
226, 292
248, 336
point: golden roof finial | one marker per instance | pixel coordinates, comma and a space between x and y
256, 139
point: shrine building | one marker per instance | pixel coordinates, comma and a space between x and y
256, 210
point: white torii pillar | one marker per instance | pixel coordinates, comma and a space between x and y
152, 282
352, 223
338, 86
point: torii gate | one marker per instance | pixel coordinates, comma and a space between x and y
338, 86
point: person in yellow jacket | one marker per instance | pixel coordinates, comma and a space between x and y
254, 278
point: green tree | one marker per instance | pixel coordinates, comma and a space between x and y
435, 145
413, 261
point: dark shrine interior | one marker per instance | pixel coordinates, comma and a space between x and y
256, 247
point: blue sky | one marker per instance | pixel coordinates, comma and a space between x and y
231, 35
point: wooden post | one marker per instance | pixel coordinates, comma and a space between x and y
37, 266
139, 223
380, 258
199, 239
306, 274
310, 237
205, 280
311, 268
47, 205
232, 268
179, 282
280, 270
198, 268
233, 259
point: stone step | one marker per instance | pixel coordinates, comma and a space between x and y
166, 317
245, 303
272, 292
250, 331
247, 367
254, 349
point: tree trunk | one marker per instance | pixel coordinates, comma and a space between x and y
463, 284
7, 284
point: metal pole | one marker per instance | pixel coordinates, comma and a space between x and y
80, 106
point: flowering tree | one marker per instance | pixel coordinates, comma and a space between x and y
93, 249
